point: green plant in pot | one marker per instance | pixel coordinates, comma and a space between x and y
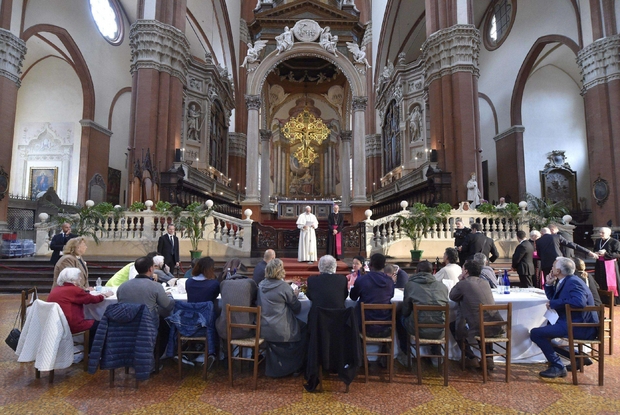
194, 223
418, 222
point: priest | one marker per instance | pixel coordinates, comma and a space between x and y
307, 223
335, 221
607, 249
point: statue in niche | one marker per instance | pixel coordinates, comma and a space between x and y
284, 41
193, 122
328, 41
473, 192
415, 123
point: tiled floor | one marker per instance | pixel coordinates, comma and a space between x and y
76, 392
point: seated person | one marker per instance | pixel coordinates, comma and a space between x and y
398, 275
283, 332
188, 273
203, 286
486, 272
451, 269
563, 287
237, 291
128, 272
357, 270
160, 270
580, 271
375, 287
71, 298
259, 270
422, 289
470, 292
327, 290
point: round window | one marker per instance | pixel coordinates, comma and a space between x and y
107, 17
498, 22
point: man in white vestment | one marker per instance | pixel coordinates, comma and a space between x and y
307, 223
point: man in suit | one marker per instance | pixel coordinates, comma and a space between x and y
259, 269
548, 247
460, 234
563, 287
59, 241
523, 260
168, 246
476, 242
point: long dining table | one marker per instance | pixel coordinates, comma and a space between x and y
528, 309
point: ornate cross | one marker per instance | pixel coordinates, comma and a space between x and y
306, 129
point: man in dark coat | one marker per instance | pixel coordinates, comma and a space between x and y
477, 242
548, 247
327, 290
607, 250
460, 234
523, 260
59, 241
335, 222
168, 246
259, 270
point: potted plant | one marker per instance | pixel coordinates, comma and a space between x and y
417, 223
542, 212
194, 224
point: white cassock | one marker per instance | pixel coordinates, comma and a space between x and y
307, 238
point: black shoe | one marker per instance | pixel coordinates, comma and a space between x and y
586, 362
490, 363
553, 372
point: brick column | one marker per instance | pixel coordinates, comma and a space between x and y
451, 60
373, 162
94, 156
511, 163
600, 68
159, 54
12, 51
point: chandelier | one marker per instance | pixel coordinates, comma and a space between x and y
306, 129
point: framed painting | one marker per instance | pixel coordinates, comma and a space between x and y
41, 179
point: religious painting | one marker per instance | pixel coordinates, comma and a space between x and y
41, 179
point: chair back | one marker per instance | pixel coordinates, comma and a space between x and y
230, 324
607, 298
28, 298
365, 323
419, 308
486, 325
600, 325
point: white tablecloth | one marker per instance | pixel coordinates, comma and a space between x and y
528, 309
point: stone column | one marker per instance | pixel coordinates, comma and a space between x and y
450, 56
253, 102
159, 57
600, 69
12, 51
345, 175
359, 150
265, 168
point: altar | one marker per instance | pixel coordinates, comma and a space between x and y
291, 209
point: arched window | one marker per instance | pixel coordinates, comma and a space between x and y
108, 20
391, 138
498, 22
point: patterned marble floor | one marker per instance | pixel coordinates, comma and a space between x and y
76, 392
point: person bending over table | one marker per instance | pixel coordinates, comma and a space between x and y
144, 290
563, 287
283, 332
375, 287
71, 298
128, 272
203, 286
470, 292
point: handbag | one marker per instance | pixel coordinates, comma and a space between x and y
13, 338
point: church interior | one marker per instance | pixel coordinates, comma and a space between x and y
272, 105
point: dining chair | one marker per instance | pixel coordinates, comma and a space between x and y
607, 297
595, 347
28, 298
253, 343
417, 341
384, 342
505, 326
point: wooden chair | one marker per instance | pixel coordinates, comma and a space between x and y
28, 298
484, 340
597, 353
607, 297
386, 342
249, 342
417, 341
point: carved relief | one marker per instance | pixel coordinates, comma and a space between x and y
253, 102
12, 56
600, 62
307, 30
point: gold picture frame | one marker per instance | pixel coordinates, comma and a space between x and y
41, 179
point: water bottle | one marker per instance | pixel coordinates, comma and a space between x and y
506, 282
228, 273
98, 286
366, 267
234, 271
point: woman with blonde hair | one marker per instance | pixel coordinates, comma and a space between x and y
72, 258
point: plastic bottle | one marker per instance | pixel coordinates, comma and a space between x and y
234, 271
98, 286
228, 273
506, 282
366, 267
